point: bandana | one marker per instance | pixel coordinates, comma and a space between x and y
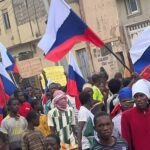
59, 100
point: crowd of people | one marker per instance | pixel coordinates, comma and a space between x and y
114, 115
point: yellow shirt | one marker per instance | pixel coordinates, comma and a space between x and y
43, 127
97, 95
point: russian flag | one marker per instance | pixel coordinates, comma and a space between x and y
64, 29
6, 84
75, 80
140, 52
7, 60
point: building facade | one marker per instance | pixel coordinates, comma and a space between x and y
134, 17
116, 22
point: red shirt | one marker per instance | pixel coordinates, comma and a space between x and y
24, 109
135, 126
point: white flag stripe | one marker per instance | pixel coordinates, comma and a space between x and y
58, 13
5, 59
74, 64
140, 45
4, 73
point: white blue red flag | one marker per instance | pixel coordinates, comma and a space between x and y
7, 88
75, 80
140, 51
64, 29
7, 60
6, 83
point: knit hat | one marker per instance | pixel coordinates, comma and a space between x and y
125, 94
141, 86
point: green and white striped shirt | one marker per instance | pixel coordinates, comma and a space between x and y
62, 121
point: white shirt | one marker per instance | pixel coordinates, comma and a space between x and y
117, 125
115, 99
83, 116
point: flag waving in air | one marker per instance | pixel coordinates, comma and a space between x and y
64, 29
7, 60
75, 80
140, 53
7, 88
6, 82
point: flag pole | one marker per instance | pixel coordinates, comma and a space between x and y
118, 58
14, 79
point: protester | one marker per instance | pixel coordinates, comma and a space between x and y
25, 106
96, 107
43, 125
135, 122
30, 94
38, 93
85, 122
104, 127
14, 125
103, 75
61, 120
49, 93
126, 102
52, 142
114, 87
32, 139
97, 95
87, 87
105, 92
118, 76
3, 141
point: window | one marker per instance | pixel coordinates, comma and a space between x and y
6, 19
25, 55
132, 6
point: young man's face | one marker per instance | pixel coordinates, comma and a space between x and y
36, 120
104, 127
63, 102
89, 90
52, 144
30, 91
141, 101
21, 97
38, 93
14, 106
